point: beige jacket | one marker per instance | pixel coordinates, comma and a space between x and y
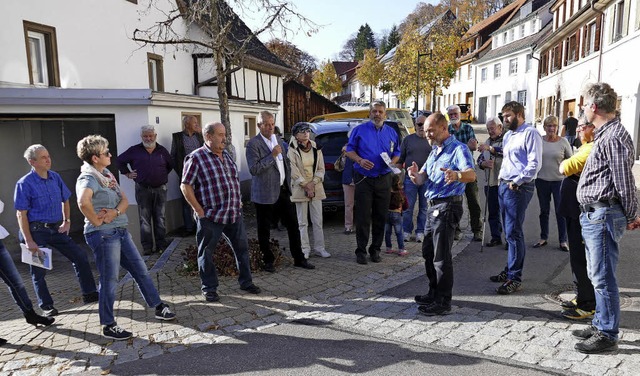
298, 179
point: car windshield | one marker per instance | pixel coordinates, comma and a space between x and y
332, 143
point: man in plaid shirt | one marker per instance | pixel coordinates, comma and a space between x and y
211, 186
464, 133
608, 204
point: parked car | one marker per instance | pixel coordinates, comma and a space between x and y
396, 114
465, 112
419, 113
332, 136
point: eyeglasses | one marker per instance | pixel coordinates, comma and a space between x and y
419, 124
305, 131
106, 153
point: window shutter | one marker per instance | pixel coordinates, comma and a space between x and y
598, 33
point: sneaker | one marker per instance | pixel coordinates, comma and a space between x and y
402, 252
252, 289
91, 297
407, 236
585, 333
348, 231
419, 238
323, 253
577, 314
509, 287
597, 343
424, 299
163, 312
434, 309
501, 277
361, 259
569, 304
390, 251
211, 296
113, 331
50, 311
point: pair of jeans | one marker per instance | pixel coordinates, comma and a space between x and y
349, 194
545, 189
493, 207
394, 222
303, 209
602, 229
585, 296
288, 217
473, 204
51, 238
372, 204
413, 193
208, 234
11, 277
187, 215
151, 206
113, 248
513, 205
442, 221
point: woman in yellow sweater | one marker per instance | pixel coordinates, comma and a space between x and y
584, 304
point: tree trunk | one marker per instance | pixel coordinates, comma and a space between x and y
223, 101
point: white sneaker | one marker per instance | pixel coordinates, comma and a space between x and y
419, 238
407, 236
323, 253
306, 254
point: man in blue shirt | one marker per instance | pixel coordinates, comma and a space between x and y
372, 177
522, 159
44, 216
149, 164
448, 168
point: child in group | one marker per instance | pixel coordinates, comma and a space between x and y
397, 204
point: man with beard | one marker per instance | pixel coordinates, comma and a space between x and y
522, 159
448, 168
148, 164
372, 177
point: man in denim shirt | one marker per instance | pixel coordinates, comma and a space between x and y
44, 216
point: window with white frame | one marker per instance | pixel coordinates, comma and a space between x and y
512, 35
497, 68
522, 31
504, 38
42, 54
527, 66
507, 97
513, 66
249, 128
533, 26
618, 21
483, 74
590, 39
469, 72
522, 97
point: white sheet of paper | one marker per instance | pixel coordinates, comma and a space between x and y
387, 160
31, 259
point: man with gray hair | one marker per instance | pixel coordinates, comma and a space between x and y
183, 143
464, 133
490, 160
44, 216
148, 164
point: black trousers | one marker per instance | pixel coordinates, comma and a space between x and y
442, 221
371, 206
287, 211
585, 294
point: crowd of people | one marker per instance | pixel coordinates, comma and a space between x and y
593, 193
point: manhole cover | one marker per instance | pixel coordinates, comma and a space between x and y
567, 292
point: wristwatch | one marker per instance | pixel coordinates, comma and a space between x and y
459, 175
67, 220
118, 211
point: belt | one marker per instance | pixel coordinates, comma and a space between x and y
53, 225
591, 207
147, 186
436, 201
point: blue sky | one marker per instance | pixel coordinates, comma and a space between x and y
341, 18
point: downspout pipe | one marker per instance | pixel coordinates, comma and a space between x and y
602, 28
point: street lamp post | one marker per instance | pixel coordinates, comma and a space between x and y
430, 54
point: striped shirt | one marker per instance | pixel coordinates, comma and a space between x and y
454, 155
215, 183
607, 174
464, 134
41, 198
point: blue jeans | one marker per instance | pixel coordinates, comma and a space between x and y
12, 279
187, 215
545, 189
513, 205
394, 221
50, 237
602, 229
493, 207
151, 204
113, 248
207, 235
414, 192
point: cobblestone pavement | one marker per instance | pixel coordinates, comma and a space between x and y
348, 295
